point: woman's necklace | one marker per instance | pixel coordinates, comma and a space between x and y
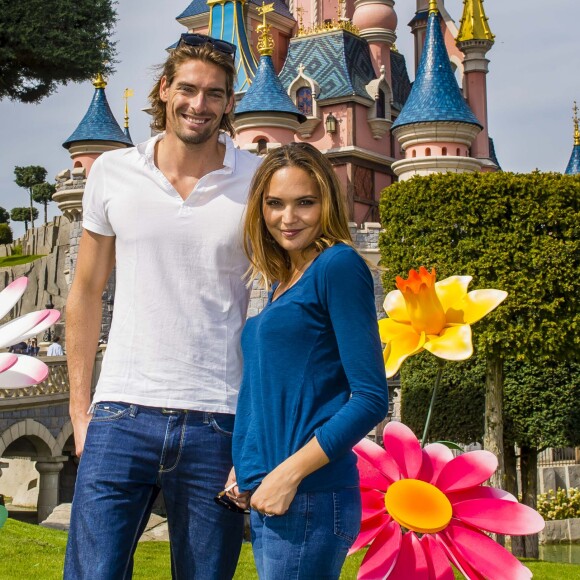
293, 279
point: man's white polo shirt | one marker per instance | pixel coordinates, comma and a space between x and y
180, 301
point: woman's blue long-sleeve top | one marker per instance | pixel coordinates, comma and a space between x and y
313, 365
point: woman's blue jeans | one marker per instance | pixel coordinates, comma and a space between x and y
311, 540
131, 453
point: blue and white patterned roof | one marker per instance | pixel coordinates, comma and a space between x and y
574, 164
435, 95
338, 61
200, 7
266, 93
98, 124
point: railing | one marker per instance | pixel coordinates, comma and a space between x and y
55, 383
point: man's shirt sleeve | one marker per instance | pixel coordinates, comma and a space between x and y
95, 217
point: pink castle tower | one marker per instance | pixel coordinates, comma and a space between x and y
475, 39
436, 127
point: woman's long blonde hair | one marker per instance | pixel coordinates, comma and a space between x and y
269, 262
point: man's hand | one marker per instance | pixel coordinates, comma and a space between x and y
80, 427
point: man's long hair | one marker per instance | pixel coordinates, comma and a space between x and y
168, 69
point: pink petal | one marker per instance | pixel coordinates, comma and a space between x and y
11, 295
467, 470
439, 456
7, 360
12, 332
458, 560
499, 516
479, 492
402, 445
412, 561
369, 529
382, 556
439, 567
27, 371
486, 556
53, 316
377, 459
373, 503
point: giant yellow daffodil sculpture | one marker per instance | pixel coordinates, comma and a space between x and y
435, 316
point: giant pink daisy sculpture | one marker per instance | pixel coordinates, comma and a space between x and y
424, 509
18, 370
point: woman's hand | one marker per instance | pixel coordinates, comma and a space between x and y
240, 499
275, 494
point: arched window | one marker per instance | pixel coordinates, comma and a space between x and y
414, 154
77, 164
458, 152
444, 151
262, 146
304, 100
381, 104
428, 152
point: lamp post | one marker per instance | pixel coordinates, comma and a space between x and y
48, 333
330, 123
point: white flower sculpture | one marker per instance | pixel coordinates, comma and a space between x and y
19, 370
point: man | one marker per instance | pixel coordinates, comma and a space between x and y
55, 349
168, 214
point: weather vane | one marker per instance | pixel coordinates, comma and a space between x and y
126, 94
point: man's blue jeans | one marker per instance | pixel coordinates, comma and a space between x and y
132, 452
311, 540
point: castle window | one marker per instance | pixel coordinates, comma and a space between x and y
444, 151
458, 152
262, 146
381, 104
304, 100
414, 154
428, 152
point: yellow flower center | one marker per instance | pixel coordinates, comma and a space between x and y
423, 305
418, 506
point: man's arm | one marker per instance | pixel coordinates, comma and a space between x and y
95, 262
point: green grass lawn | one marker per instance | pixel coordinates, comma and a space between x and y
9, 261
28, 551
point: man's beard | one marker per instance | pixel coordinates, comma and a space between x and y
195, 138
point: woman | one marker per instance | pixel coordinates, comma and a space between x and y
314, 381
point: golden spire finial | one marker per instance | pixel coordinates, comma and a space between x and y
576, 130
266, 42
340, 9
474, 23
126, 94
300, 11
433, 7
99, 82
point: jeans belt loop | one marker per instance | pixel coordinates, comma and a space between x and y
133, 411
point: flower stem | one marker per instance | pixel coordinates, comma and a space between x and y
432, 404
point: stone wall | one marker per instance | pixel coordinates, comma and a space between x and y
47, 276
558, 477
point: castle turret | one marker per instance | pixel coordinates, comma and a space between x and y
475, 39
436, 127
377, 22
96, 133
266, 107
574, 163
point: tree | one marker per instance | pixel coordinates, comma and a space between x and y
46, 44
22, 214
42, 194
5, 234
28, 177
4, 216
517, 233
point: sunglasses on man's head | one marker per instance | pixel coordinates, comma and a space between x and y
223, 46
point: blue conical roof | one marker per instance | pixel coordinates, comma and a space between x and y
98, 124
574, 163
266, 93
435, 95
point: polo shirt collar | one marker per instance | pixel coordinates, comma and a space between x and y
229, 157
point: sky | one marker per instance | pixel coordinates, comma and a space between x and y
533, 80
